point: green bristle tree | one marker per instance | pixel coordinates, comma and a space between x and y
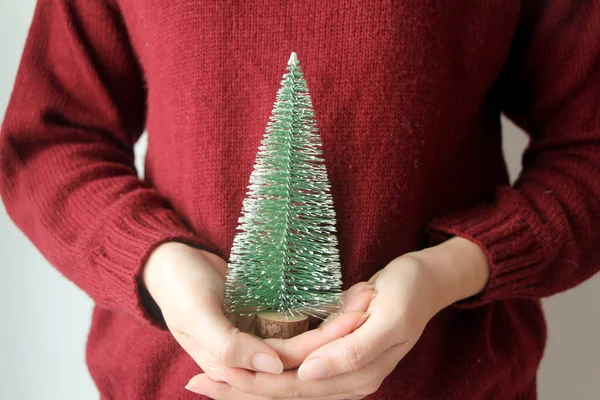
284, 257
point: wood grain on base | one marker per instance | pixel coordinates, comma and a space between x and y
280, 326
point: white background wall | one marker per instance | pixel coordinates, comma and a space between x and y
45, 318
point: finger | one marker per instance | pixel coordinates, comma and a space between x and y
357, 298
234, 348
354, 290
295, 350
288, 384
348, 297
201, 384
226, 343
351, 352
358, 301
374, 277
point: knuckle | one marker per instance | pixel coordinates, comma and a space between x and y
296, 394
292, 391
250, 385
353, 358
229, 352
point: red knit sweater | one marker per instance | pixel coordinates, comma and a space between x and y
408, 96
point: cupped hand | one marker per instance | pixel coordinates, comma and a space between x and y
188, 286
295, 350
354, 365
410, 290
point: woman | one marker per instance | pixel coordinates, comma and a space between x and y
408, 97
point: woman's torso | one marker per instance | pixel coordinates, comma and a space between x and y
404, 99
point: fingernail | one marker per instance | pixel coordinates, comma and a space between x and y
214, 373
315, 368
194, 387
369, 287
266, 363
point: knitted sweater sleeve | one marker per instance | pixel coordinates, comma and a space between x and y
541, 236
66, 153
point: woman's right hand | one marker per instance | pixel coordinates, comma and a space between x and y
188, 286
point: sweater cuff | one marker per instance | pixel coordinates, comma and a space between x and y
502, 232
122, 252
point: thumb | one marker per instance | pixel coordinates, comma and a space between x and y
294, 351
226, 343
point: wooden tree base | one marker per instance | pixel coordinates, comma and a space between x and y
280, 326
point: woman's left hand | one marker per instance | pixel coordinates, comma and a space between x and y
410, 290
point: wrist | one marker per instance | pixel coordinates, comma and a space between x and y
153, 269
458, 267
147, 279
165, 259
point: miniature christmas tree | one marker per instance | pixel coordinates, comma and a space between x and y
284, 263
